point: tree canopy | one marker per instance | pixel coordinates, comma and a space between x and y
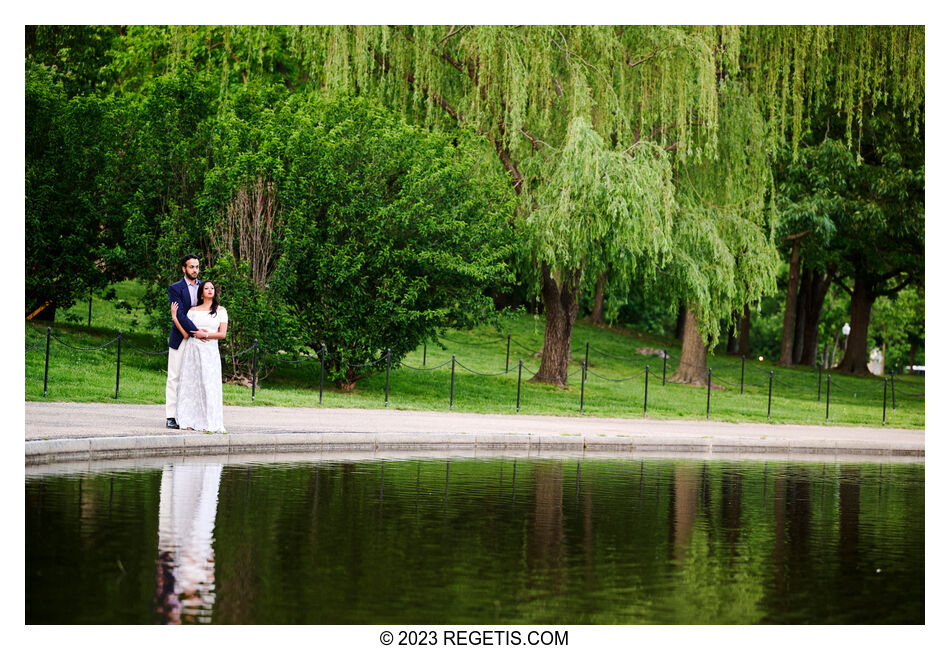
636, 152
393, 233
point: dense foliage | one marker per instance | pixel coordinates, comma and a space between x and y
381, 234
642, 159
72, 227
857, 217
393, 233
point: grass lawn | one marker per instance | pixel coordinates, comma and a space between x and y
614, 386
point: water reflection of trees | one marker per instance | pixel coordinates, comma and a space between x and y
682, 541
599, 541
545, 545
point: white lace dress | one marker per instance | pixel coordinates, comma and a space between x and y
199, 384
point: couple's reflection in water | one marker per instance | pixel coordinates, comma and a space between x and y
188, 503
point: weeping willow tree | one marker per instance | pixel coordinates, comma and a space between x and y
598, 208
536, 94
724, 256
583, 119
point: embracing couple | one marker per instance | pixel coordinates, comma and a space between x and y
193, 388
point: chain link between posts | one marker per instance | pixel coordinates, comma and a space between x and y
584, 366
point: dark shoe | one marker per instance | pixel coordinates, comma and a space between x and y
171, 424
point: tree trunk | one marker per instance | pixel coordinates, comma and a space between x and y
816, 300
560, 312
745, 349
692, 366
791, 298
804, 295
732, 346
597, 315
855, 359
680, 322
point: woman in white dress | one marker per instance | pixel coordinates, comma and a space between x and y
199, 386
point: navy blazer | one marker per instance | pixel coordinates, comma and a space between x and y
179, 293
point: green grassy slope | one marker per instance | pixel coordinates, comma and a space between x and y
614, 387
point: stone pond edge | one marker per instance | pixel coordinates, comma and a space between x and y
40, 452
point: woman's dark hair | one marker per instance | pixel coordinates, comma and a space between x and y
201, 296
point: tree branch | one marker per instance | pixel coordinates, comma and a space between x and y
452, 32
283, 73
893, 291
577, 56
634, 64
536, 142
470, 69
797, 235
653, 134
411, 79
840, 282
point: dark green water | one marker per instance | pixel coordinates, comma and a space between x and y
522, 541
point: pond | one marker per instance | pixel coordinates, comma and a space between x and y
460, 540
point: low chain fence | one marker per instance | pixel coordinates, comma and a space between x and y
769, 377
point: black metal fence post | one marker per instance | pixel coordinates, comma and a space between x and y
583, 380
507, 353
827, 396
46, 372
769, 414
742, 377
708, 389
646, 382
518, 403
423, 354
323, 356
884, 413
665, 356
254, 372
118, 364
389, 356
452, 385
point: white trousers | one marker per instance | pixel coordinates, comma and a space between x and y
171, 383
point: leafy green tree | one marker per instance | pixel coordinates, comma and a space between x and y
255, 315
723, 256
599, 207
812, 195
897, 327
79, 54
881, 244
855, 217
522, 89
242, 207
165, 153
232, 54
393, 233
72, 230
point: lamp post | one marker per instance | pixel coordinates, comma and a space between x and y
845, 330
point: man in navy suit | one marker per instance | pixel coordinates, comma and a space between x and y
185, 293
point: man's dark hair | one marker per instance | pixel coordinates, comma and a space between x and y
185, 259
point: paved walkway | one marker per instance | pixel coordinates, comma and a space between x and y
58, 431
